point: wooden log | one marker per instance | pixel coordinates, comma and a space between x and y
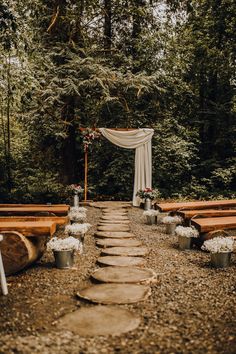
33, 205
18, 251
59, 220
216, 204
29, 228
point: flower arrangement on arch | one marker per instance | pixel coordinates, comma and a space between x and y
76, 189
148, 193
89, 135
219, 245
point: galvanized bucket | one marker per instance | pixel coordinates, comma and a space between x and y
64, 259
170, 229
151, 219
220, 260
147, 204
185, 242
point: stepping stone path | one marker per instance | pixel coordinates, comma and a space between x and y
111, 242
122, 259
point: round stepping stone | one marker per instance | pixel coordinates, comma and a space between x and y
115, 234
124, 275
125, 251
110, 242
115, 293
117, 227
121, 261
99, 321
114, 218
113, 222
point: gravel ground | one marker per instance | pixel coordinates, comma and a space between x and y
191, 310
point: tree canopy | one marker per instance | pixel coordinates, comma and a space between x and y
66, 64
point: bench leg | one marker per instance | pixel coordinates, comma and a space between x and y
3, 277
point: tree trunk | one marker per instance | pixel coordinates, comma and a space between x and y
107, 26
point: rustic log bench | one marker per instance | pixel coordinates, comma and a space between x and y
216, 204
33, 210
32, 205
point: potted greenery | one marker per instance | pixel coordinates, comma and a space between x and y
185, 236
63, 250
171, 222
151, 216
220, 249
148, 194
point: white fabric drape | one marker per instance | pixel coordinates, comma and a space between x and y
141, 141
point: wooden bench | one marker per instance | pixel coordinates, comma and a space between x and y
32, 210
216, 204
189, 214
59, 220
29, 228
210, 224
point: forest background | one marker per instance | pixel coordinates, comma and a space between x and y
66, 64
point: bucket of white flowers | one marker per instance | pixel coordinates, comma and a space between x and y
64, 250
77, 215
151, 216
185, 236
220, 249
171, 222
77, 229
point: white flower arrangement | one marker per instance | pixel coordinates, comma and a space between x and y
78, 209
77, 229
77, 216
150, 212
219, 245
172, 220
186, 231
66, 244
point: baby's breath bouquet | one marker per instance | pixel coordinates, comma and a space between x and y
186, 231
172, 220
219, 245
77, 229
66, 244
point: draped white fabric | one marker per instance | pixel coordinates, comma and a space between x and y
141, 141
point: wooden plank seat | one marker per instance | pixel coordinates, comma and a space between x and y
189, 214
32, 205
29, 228
216, 204
32, 210
59, 220
210, 224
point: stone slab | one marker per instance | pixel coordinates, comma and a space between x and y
121, 261
124, 275
125, 251
99, 321
115, 293
111, 242
115, 234
116, 227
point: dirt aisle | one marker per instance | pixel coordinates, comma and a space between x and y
191, 310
